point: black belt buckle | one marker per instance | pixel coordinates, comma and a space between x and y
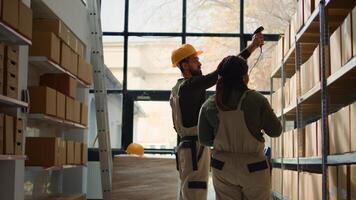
258, 166
217, 164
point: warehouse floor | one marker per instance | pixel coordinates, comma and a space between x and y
147, 178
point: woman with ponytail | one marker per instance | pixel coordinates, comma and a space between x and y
233, 122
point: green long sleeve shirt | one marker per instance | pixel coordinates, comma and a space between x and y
259, 117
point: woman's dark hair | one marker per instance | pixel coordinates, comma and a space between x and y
231, 71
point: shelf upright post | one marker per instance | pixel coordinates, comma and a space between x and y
324, 65
100, 92
282, 119
299, 108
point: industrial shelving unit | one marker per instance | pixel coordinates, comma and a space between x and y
331, 94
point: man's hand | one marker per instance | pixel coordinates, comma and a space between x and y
257, 41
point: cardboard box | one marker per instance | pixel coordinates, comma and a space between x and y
354, 31
60, 82
346, 42
46, 44
287, 183
43, 151
77, 153
301, 142
84, 156
11, 67
293, 29
293, 89
70, 152
286, 40
66, 56
294, 185
342, 179
302, 186
319, 145
52, 25
19, 136
2, 129
69, 108
332, 179
315, 186
80, 49
63, 152
12, 53
9, 135
11, 91
73, 63
10, 13
280, 50
311, 140
335, 51
286, 93
2, 55
339, 131
352, 181
72, 41
308, 9
300, 12
25, 20
277, 180
316, 67
295, 143
43, 100
85, 71
76, 111
61, 105
353, 126
83, 114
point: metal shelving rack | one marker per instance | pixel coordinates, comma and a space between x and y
316, 104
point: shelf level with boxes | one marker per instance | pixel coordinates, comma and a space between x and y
318, 108
58, 87
6, 101
15, 23
307, 33
342, 159
60, 154
340, 86
53, 168
45, 65
13, 157
60, 123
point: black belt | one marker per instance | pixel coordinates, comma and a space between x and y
190, 138
192, 145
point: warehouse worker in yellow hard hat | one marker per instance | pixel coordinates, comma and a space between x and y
233, 122
187, 96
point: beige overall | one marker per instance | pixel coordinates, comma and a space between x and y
240, 169
192, 158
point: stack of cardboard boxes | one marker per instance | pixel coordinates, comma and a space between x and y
58, 152
18, 16
9, 70
56, 96
53, 39
11, 135
342, 130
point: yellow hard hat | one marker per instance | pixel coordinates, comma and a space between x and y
135, 148
183, 52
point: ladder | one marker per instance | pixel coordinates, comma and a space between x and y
97, 60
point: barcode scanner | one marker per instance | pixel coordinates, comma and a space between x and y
258, 30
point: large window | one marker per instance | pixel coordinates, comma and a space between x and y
137, 51
149, 63
153, 126
155, 16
